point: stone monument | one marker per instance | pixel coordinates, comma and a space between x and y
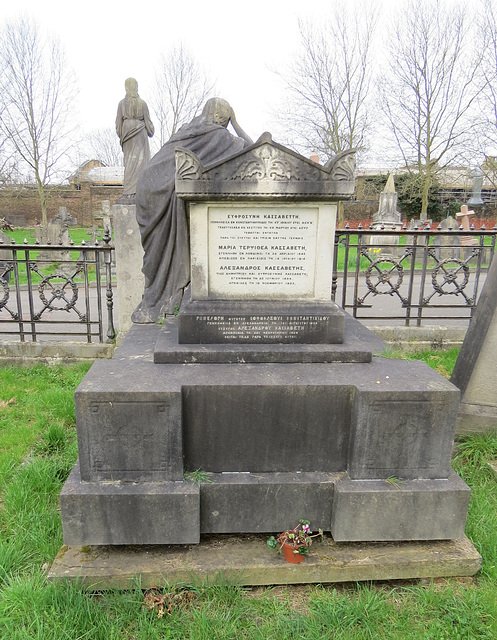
387, 218
475, 371
263, 383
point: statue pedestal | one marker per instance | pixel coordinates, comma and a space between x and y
129, 260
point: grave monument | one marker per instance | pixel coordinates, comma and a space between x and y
261, 382
387, 218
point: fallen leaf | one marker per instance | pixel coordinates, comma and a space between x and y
5, 403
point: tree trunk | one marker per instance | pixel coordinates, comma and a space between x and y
424, 196
43, 203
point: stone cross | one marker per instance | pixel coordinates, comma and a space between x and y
464, 215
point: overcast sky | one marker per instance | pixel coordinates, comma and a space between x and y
238, 43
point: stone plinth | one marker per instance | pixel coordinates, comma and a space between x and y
282, 438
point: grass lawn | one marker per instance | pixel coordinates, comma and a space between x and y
37, 451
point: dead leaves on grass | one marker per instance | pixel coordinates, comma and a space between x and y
5, 403
165, 602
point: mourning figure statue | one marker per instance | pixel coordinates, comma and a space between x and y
134, 127
162, 217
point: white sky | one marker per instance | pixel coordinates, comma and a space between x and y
238, 43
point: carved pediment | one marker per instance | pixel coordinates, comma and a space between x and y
265, 170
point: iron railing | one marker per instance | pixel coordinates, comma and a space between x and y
57, 290
418, 276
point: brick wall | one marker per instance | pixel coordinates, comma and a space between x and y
22, 207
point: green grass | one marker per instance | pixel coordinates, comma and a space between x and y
77, 234
442, 361
38, 449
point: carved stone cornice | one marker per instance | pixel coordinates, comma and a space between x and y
264, 171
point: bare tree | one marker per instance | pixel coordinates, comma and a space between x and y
36, 99
485, 147
182, 88
103, 145
432, 86
328, 102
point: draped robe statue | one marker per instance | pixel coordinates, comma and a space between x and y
134, 127
162, 217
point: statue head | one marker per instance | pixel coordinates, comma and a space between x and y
218, 111
131, 86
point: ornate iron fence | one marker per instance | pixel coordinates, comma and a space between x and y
57, 290
418, 276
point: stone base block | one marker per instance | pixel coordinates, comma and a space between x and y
476, 418
357, 347
261, 322
265, 502
390, 510
99, 513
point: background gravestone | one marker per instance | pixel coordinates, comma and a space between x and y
447, 246
475, 372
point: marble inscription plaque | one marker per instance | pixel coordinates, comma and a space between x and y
262, 252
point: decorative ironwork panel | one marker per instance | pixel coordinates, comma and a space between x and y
57, 290
418, 276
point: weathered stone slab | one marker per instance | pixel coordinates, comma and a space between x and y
130, 436
267, 418
377, 510
475, 371
266, 501
261, 428
407, 434
129, 513
240, 322
129, 426
246, 560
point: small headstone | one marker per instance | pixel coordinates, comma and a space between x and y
447, 246
104, 217
56, 232
475, 371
